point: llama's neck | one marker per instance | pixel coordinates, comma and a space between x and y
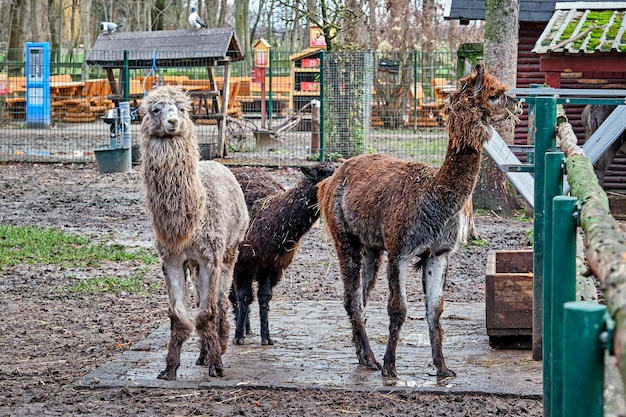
296, 212
456, 178
175, 194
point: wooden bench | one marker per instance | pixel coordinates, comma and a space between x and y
16, 97
90, 105
16, 93
429, 111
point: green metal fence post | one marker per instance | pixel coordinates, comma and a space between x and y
126, 77
560, 275
322, 118
543, 113
553, 186
269, 111
415, 81
583, 360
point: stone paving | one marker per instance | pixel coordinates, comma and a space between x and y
313, 350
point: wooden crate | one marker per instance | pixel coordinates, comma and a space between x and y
509, 293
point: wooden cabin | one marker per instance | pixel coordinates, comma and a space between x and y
568, 66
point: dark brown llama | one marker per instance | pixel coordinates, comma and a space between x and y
375, 203
278, 220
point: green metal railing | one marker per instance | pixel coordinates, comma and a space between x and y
574, 335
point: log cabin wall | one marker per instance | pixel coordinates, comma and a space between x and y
528, 73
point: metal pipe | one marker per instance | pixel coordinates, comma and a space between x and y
322, 122
553, 186
583, 359
563, 282
543, 112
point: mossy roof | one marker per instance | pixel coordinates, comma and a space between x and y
583, 27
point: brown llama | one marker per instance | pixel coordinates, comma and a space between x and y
199, 217
375, 203
278, 220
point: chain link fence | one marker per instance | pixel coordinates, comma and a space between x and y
302, 107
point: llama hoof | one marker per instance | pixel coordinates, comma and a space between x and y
267, 342
370, 364
389, 371
217, 370
445, 373
201, 361
167, 375
239, 340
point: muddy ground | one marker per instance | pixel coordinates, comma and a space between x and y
51, 337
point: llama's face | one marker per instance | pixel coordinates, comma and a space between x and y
502, 106
168, 118
165, 112
496, 104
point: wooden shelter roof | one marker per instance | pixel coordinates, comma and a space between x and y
584, 27
529, 10
166, 48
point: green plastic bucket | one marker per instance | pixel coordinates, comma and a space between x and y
112, 159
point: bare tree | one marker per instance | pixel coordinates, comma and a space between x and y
242, 23
493, 191
19, 19
40, 27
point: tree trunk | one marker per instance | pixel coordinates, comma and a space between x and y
493, 191
242, 23
212, 6
18, 31
38, 21
84, 25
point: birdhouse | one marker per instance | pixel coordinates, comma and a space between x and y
261, 53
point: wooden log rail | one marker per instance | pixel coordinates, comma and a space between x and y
606, 247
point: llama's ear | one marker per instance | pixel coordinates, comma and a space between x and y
308, 172
478, 79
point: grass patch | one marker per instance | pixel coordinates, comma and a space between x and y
97, 285
522, 217
52, 246
479, 243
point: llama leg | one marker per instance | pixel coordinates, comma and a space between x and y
369, 271
225, 287
223, 325
180, 325
206, 321
349, 254
243, 293
264, 297
435, 271
193, 269
396, 309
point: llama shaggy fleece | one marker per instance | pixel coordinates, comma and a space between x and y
278, 220
375, 203
187, 200
199, 217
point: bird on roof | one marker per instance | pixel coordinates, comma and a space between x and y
194, 20
109, 27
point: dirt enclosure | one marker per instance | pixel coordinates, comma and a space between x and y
51, 337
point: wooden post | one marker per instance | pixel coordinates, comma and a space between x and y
315, 126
